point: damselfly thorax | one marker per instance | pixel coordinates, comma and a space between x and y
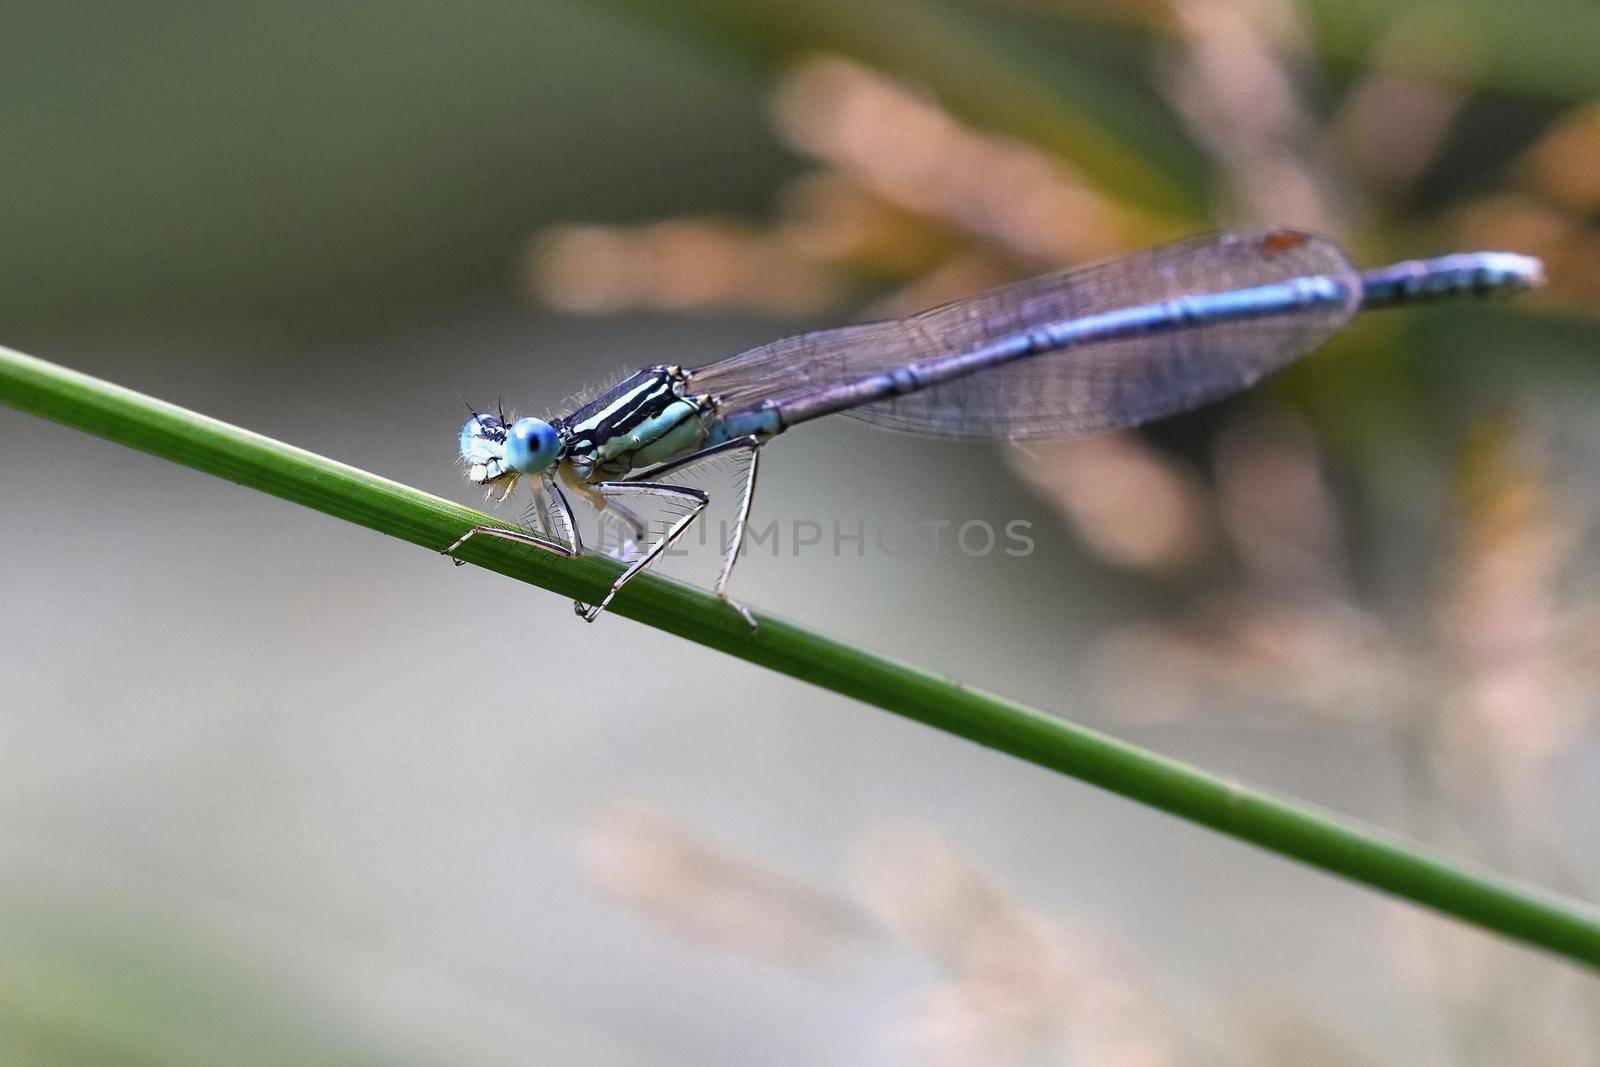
1101, 347
647, 419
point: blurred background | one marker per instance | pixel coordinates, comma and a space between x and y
267, 796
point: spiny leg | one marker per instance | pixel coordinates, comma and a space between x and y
752, 445
534, 517
507, 535
746, 496
697, 503
571, 549
553, 487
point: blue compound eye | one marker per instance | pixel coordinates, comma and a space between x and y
531, 445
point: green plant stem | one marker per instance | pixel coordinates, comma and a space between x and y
1563, 926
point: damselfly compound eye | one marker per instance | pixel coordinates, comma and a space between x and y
531, 445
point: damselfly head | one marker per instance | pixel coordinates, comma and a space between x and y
483, 449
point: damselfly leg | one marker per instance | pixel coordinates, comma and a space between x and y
693, 501
549, 523
553, 516
553, 513
742, 454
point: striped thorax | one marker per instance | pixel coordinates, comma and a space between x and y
647, 419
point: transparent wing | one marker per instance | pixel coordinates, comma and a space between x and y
1076, 390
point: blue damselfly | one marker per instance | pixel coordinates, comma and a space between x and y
1110, 345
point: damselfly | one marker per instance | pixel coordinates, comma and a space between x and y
1110, 345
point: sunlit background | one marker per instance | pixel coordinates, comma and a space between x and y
274, 789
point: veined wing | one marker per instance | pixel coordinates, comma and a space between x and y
1077, 389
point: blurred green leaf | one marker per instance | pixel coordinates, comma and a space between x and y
921, 45
1546, 49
